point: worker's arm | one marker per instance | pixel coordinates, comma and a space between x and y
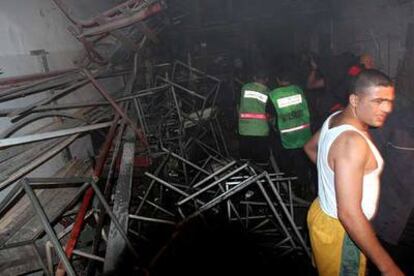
314, 81
271, 113
348, 157
311, 147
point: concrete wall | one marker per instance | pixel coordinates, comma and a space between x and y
31, 25
39, 24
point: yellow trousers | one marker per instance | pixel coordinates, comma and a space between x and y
334, 253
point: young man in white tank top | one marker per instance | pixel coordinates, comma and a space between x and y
348, 182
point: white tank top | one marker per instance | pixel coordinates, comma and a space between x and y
326, 182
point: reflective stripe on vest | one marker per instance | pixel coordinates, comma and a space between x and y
294, 128
255, 95
248, 115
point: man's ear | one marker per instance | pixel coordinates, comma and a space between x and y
353, 100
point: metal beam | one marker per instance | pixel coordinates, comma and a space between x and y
49, 135
116, 244
48, 228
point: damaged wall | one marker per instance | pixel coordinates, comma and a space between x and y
32, 25
29, 26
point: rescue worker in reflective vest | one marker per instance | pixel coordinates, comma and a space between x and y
292, 131
253, 120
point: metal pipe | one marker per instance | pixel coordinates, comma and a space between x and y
91, 22
123, 21
109, 181
211, 185
113, 218
207, 148
290, 219
39, 257
157, 171
37, 76
41, 108
213, 102
42, 158
16, 244
198, 173
140, 116
223, 140
182, 88
54, 219
59, 180
36, 86
49, 259
156, 206
276, 214
15, 127
117, 108
89, 256
108, 185
226, 194
11, 195
49, 230
49, 135
175, 189
196, 70
185, 161
79, 220
151, 219
56, 96
214, 136
99, 231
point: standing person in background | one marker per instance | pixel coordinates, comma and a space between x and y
335, 88
253, 120
394, 221
292, 130
366, 61
349, 167
316, 90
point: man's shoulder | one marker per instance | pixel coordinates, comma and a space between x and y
347, 150
349, 140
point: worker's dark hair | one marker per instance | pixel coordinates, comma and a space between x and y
260, 74
286, 74
369, 78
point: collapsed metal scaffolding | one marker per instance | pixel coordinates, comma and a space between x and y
121, 29
164, 161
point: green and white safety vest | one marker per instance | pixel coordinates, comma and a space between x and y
293, 119
252, 110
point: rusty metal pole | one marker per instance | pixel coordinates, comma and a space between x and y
117, 108
87, 198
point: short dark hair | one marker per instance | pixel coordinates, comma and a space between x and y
286, 74
261, 74
369, 78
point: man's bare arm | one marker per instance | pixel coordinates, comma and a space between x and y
311, 147
349, 155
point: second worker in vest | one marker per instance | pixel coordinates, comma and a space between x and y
292, 131
253, 120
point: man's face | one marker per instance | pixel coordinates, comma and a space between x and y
374, 105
